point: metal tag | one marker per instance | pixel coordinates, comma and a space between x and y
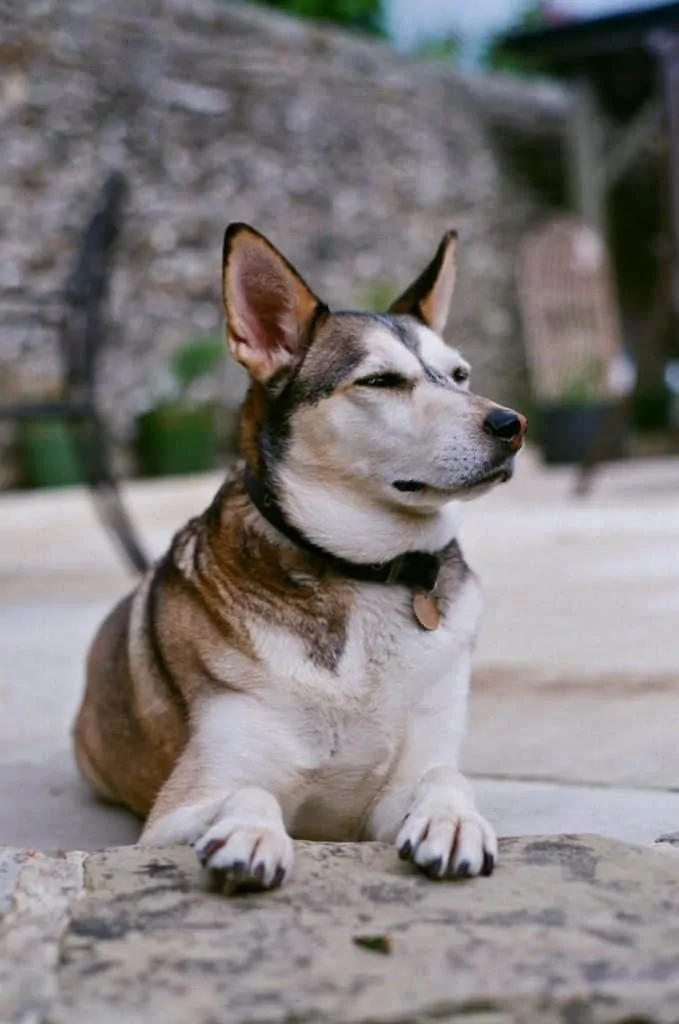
426, 610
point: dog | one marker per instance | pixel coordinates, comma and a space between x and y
297, 664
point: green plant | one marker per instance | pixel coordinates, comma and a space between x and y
177, 429
583, 386
496, 58
196, 360
48, 454
365, 15
446, 48
377, 296
188, 379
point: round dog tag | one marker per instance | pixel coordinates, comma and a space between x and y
426, 610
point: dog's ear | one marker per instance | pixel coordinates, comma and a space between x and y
428, 298
267, 304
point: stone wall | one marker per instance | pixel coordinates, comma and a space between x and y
353, 159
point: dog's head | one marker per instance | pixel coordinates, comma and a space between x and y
372, 411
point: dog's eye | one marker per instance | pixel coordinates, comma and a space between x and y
382, 380
460, 375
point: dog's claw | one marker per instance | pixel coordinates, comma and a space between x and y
405, 850
463, 870
244, 857
435, 868
444, 843
209, 850
238, 870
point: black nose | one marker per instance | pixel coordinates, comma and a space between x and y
505, 424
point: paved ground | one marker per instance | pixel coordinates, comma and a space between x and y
575, 711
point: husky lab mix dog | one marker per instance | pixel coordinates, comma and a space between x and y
298, 662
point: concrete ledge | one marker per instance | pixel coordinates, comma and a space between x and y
569, 929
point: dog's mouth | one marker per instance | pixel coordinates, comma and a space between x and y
409, 486
497, 476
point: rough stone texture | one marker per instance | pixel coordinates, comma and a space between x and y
10, 866
31, 932
570, 930
669, 839
352, 158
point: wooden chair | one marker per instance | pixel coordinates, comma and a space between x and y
572, 330
81, 329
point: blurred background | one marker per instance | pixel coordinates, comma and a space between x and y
352, 133
353, 150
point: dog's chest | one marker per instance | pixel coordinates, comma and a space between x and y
356, 712
335, 729
392, 652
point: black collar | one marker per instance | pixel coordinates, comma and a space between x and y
416, 569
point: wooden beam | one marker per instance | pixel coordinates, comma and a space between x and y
537, 108
586, 158
666, 46
633, 140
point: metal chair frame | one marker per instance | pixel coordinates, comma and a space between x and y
82, 332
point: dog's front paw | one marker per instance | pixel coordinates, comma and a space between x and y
240, 855
447, 844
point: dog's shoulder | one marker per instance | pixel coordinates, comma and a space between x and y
231, 570
192, 549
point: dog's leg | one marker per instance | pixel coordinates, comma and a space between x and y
428, 807
220, 798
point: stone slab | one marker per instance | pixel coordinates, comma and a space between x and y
31, 929
10, 866
669, 840
569, 930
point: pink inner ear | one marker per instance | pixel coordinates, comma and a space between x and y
263, 304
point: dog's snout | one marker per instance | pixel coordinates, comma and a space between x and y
506, 425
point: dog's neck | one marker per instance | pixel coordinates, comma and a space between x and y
336, 520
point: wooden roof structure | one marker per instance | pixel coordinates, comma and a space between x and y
624, 65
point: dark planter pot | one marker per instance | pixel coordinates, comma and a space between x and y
567, 432
173, 440
652, 410
47, 454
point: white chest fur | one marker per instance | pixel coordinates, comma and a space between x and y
330, 740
